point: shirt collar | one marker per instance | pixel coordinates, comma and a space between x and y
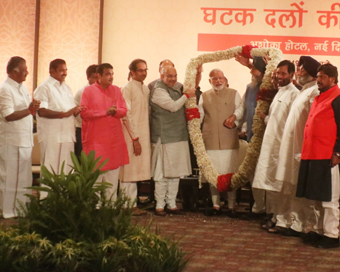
13, 83
137, 82
53, 81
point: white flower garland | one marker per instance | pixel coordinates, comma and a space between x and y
247, 168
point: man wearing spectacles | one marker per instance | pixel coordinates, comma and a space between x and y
136, 131
222, 143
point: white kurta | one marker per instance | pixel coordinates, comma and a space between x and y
77, 100
55, 135
292, 138
267, 163
16, 141
136, 125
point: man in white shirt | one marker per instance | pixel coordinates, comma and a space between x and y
91, 74
16, 138
275, 120
55, 118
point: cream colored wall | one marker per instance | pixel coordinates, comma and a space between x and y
69, 29
155, 30
149, 29
17, 22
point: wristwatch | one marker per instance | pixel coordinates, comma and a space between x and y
337, 154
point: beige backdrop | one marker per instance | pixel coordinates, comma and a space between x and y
155, 30
17, 23
69, 29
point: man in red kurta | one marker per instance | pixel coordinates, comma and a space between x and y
319, 175
101, 126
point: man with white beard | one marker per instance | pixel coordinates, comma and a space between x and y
245, 112
294, 212
220, 142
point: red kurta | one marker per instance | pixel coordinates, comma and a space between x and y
100, 132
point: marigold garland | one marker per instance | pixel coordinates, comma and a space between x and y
265, 96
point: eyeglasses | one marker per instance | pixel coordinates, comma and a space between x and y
171, 76
142, 70
217, 78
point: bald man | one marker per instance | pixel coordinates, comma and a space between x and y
162, 64
169, 138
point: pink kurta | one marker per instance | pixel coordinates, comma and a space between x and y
100, 132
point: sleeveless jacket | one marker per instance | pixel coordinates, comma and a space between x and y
218, 106
171, 127
320, 132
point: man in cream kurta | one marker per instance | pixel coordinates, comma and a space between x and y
294, 212
55, 118
222, 143
278, 112
16, 139
169, 138
136, 131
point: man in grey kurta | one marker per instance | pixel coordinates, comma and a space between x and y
169, 139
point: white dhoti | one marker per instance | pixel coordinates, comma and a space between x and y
331, 208
225, 161
111, 176
130, 190
15, 177
53, 155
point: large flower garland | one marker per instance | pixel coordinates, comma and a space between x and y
265, 96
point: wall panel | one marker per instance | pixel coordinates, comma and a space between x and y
17, 26
69, 29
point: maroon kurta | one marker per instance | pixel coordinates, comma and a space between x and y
100, 132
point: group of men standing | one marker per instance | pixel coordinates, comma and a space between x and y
297, 178
112, 122
143, 133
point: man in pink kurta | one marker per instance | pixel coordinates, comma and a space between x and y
101, 126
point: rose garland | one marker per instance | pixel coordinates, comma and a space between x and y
265, 96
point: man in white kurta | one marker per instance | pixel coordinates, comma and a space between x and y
16, 138
222, 143
294, 212
278, 112
91, 74
169, 138
55, 118
136, 131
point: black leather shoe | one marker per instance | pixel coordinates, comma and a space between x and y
212, 212
175, 211
232, 213
291, 233
311, 238
253, 216
327, 242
